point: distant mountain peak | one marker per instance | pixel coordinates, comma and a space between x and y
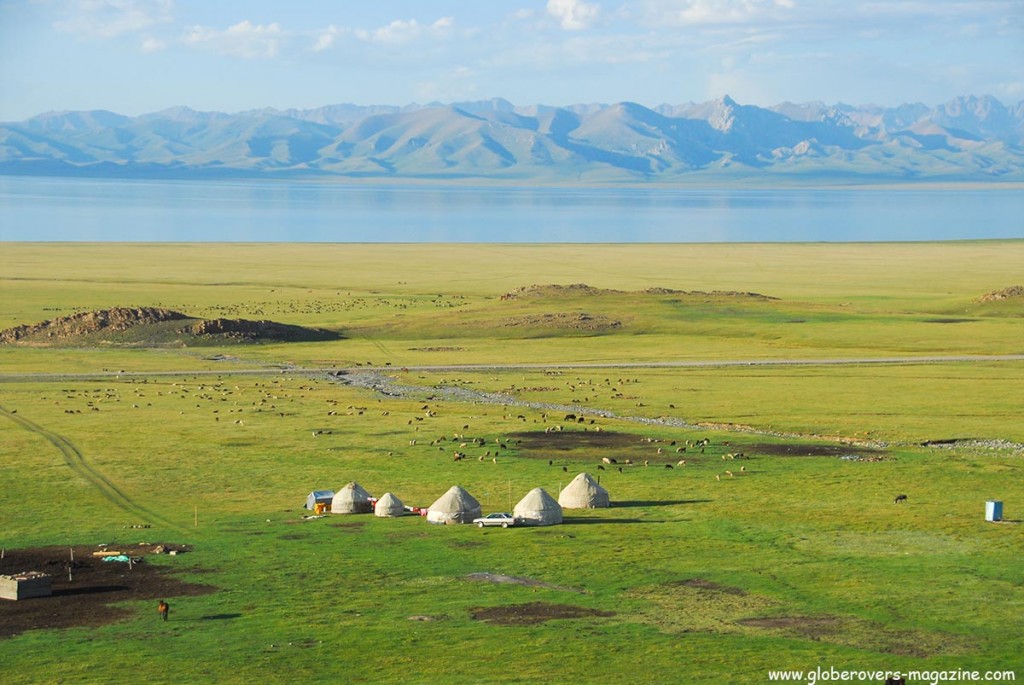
973, 138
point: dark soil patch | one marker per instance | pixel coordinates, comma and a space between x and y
711, 586
804, 626
533, 613
352, 526
566, 440
96, 585
809, 450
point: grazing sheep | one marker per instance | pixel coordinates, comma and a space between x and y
718, 477
550, 463
743, 468
566, 469
668, 466
729, 473
680, 450
682, 462
628, 462
606, 460
899, 498
600, 468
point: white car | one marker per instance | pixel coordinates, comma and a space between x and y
503, 519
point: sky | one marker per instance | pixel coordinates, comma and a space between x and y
139, 56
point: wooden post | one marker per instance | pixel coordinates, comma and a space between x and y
72, 553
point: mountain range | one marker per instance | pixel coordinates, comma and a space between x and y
976, 139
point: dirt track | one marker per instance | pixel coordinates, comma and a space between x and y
566, 366
74, 458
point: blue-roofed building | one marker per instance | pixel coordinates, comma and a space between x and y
319, 497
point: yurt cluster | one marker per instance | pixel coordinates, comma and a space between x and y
537, 508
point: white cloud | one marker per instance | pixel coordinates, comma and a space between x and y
401, 31
151, 44
110, 18
573, 15
707, 12
325, 38
244, 39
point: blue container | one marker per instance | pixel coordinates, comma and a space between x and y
993, 510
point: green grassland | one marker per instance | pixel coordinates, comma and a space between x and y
794, 562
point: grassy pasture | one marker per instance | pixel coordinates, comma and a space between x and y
795, 562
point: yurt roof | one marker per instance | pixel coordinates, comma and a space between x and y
456, 499
537, 500
583, 488
353, 491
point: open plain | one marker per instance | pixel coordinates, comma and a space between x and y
762, 407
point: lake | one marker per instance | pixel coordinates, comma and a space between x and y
67, 209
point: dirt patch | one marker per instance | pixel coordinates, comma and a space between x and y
95, 585
443, 348
813, 627
566, 440
710, 586
563, 321
518, 580
809, 450
533, 613
351, 526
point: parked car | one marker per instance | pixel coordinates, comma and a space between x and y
503, 519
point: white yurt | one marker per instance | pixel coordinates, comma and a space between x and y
454, 506
538, 508
583, 493
352, 499
389, 506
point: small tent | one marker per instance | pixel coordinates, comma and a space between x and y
583, 493
389, 506
319, 497
352, 499
454, 506
538, 508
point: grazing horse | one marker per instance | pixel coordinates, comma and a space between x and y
163, 607
899, 498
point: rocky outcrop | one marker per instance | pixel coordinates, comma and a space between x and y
1014, 291
85, 323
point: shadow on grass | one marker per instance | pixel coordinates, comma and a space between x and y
212, 617
657, 503
92, 590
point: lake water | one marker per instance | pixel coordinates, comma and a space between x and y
62, 209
